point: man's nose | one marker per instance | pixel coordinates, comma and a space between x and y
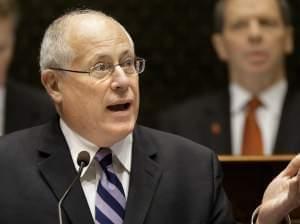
255, 32
120, 80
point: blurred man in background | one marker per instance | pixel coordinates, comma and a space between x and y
257, 114
20, 106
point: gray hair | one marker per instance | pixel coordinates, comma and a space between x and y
220, 9
55, 49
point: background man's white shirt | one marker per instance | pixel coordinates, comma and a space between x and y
268, 115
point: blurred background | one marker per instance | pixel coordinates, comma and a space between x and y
173, 36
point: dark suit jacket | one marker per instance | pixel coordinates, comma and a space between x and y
25, 107
206, 120
172, 180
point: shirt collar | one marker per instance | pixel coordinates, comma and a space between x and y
121, 150
239, 97
273, 97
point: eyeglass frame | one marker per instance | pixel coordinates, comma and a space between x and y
110, 66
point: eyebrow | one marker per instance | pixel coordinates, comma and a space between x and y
104, 57
127, 53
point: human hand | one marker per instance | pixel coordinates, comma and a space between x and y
282, 194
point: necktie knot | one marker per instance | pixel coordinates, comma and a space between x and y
253, 104
104, 157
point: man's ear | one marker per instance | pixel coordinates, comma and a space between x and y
51, 82
218, 43
289, 42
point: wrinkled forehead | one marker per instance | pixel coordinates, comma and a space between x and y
88, 30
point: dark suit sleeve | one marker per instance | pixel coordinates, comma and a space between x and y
221, 212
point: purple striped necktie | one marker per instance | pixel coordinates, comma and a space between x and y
110, 197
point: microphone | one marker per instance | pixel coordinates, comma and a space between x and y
83, 160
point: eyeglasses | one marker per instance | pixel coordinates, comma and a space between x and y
102, 70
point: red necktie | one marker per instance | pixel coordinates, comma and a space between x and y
252, 139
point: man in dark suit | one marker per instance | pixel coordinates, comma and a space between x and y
90, 70
21, 106
253, 38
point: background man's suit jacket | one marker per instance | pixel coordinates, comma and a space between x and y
25, 107
206, 120
173, 180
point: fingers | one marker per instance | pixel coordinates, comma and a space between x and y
292, 168
298, 181
294, 185
293, 198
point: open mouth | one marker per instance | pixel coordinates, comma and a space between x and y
119, 107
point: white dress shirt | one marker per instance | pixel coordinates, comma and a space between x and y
91, 175
268, 115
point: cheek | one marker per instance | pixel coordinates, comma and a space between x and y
233, 54
94, 103
82, 97
136, 92
277, 47
273, 41
5, 58
94, 107
235, 47
86, 111
135, 86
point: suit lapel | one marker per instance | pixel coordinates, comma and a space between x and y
218, 118
144, 179
283, 131
287, 140
58, 171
